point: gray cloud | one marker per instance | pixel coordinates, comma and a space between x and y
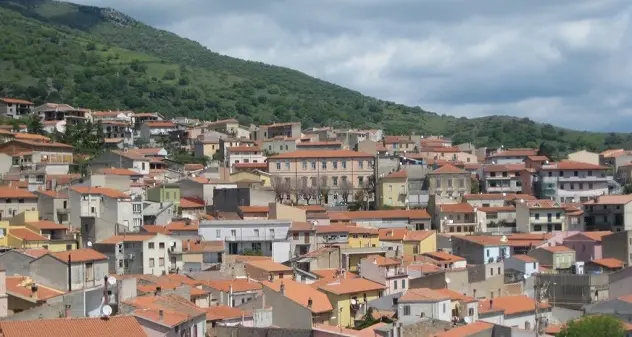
565, 62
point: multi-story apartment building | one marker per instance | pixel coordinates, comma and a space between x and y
269, 237
102, 212
393, 189
14, 201
340, 173
153, 129
280, 144
510, 156
141, 118
53, 206
277, 129
53, 112
608, 212
618, 246
320, 145
502, 178
15, 108
385, 271
449, 181
569, 181
123, 159
481, 249
452, 154
460, 218
396, 144
55, 158
244, 154
537, 216
115, 129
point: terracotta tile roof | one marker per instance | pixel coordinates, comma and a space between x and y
351, 286
610, 262
418, 235
322, 154
455, 296
312, 208
20, 286
524, 258
182, 226
497, 209
160, 124
33, 252
422, 295
538, 158
54, 194
222, 312
301, 294
244, 149
15, 193
381, 214
557, 249
26, 234
514, 153
542, 203
239, 285
448, 169
332, 274
466, 330
572, 165
319, 143
79, 255
301, 226
156, 229
351, 229
112, 240
382, 261
261, 166
611, 200
30, 136
108, 192
192, 247
254, 209
396, 175
74, 327
443, 256
511, 305
269, 266
398, 139
457, 208
192, 203
392, 234
529, 236
40, 144
118, 172
594, 236
425, 268
46, 224
16, 101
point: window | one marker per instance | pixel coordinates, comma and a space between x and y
68, 247
590, 186
491, 271
167, 195
589, 173
403, 284
499, 271
304, 165
295, 236
527, 325
344, 164
272, 232
390, 188
537, 216
395, 285
335, 164
313, 164
161, 262
488, 253
576, 173
151, 262
324, 164
161, 245
89, 272
218, 233
581, 186
256, 232
558, 215
407, 310
287, 164
151, 245
233, 232
470, 311
360, 180
278, 166
143, 166
361, 164
444, 308
136, 208
335, 181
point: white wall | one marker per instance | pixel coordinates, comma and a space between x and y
441, 310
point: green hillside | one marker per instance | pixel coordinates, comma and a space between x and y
101, 59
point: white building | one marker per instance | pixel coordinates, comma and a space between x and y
152, 129
424, 302
243, 154
126, 159
102, 212
569, 181
385, 271
512, 311
524, 264
538, 216
267, 236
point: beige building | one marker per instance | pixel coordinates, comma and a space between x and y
339, 173
609, 212
395, 144
540, 216
460, 218
448, 153
584, 156
393, 189
554, 257
14, 201
618, 246
263, 132
15, 108
449, 181
502, 178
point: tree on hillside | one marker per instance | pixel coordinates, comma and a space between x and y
476, 187
548, 149
594, 326
34, 124
86, 138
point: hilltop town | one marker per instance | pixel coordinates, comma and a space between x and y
124, 222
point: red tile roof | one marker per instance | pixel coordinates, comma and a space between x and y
611, 263
182, 226
302, 294
15, 193
108, 192
466, 330
46, 224
112, 240
160, 124
269, 266
192, 203
380, 214
423, 295
514, 153
244, 149
156, 229
79, 255
524, 258
396, 175
351, 286
443, 256
16, 101
20, 286
238, 285
503, 167
457, 208
221, 312
572, 165
26, 234
557, 249
382, 261
261, 166
449, 169
511, 305
74, 327
254, 209
322, 154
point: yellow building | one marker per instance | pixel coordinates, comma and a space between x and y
349, 297
253, 175
25, 230
394, 189
363, 237
419, 242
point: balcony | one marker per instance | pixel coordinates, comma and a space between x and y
63, 210
582, 193
579, 179
255, 238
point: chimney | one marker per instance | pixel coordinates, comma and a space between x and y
67, 311
491, 303
158, 291
33, 290
69, 272
309, 302
282, 288
161, 315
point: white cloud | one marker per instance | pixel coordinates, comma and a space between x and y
564, 61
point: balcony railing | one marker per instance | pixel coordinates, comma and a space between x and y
238, 238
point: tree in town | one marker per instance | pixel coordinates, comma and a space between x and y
345, 189
280, 187
594, 326
323, 191
476, 187
307, 192
34, 124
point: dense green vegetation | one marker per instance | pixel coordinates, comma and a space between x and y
101, 59
594, 326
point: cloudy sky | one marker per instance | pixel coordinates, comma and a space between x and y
567, 62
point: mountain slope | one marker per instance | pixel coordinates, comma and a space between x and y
99, 58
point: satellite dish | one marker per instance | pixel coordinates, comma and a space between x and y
315, 223
467, 320
107, 310
521, 201
447, 280
89, 243
504, 194
353, 301
111, 280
